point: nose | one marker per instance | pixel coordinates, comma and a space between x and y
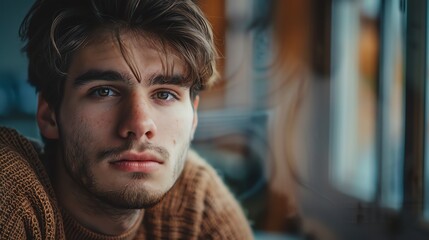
136, 121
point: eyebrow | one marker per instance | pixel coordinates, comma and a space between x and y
178, 80
93, 75
156, 79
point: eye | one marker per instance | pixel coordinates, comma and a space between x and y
104, 92
165, 95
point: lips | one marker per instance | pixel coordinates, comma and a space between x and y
137, 162
144, 157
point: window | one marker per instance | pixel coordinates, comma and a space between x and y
379, 115
355, 50
391, 103
367, 100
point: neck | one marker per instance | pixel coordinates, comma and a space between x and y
89, 211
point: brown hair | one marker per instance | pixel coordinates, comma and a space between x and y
55, 29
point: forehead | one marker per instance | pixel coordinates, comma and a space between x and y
136, 55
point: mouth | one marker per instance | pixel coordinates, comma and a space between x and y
137, 162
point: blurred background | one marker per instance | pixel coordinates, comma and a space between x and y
319, 123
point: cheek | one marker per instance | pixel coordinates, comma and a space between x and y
180, 126
178, 129
83, 128
96, 118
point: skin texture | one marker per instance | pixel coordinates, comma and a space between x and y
110, 119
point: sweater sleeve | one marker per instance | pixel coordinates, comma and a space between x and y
26, 208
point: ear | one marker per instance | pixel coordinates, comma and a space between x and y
195, 119
46, 119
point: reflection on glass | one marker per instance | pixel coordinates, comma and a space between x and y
355, 38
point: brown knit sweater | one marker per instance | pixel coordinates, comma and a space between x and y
198, 207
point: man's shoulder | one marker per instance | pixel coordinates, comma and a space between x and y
18, 152
20, 167
7, 134
13, 140
21, 171
26, 192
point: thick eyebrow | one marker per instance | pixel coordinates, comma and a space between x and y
93, 75
178, 80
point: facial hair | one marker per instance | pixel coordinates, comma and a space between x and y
76, 152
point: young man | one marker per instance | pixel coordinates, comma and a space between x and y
118, 84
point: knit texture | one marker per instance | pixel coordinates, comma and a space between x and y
199, 206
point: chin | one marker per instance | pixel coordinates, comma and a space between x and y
132, 197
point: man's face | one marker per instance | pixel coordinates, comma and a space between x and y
125, 135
